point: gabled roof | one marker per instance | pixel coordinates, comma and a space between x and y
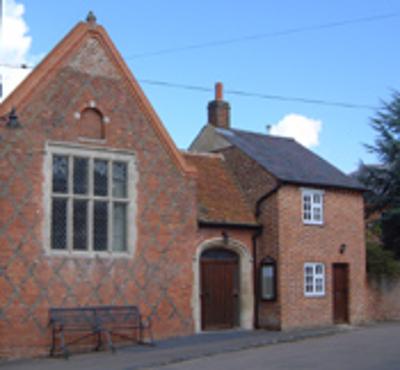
55, 60
219, 199
288, 160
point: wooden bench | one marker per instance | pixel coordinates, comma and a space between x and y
99, 321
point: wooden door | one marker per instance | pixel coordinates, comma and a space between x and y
219, 290
340, 293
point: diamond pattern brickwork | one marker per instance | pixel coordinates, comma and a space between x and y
158, 277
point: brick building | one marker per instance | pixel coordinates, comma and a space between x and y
311, 247
98, 206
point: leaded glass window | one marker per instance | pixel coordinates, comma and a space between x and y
89, 203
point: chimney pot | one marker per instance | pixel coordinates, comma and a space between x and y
219, 91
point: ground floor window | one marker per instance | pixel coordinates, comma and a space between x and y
314, 279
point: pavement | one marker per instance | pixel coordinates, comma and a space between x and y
173, 351
367, 348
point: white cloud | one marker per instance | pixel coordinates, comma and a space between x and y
303, 129
15, 44
15, 41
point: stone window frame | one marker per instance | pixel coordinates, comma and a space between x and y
314, 206
317, 279
84, 151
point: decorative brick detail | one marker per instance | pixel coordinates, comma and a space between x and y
159, 276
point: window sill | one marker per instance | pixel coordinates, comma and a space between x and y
307, 223
315, 295
89, 255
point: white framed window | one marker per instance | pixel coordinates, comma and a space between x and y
314, 279
90, 197
313, 206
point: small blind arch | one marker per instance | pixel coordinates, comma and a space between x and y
91, 124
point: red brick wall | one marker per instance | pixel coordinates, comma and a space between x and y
268, 245
383, 299
292, 243
299, 243
159, 276
252, 178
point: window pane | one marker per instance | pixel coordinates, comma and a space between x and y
317, 198
119, 179
309, 270
317, 213
100, 224
100, 177
80, 224
119, 227
80, 176
60, 174
319, 285
267, 283
59, 224
318, 269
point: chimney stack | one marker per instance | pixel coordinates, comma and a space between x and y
218, 109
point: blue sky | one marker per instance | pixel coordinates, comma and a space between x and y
357, 63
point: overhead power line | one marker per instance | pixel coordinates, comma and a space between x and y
261, 95
254, 37
16, 66
244, 93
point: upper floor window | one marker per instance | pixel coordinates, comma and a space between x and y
90, 201
313, 206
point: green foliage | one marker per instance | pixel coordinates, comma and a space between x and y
381, 262
383, 180
390, 225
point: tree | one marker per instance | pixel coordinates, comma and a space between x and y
383, 180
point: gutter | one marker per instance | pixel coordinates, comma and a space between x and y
256, 235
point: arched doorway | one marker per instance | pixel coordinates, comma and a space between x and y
220, 289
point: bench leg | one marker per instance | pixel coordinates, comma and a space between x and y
109, 341
99, 341
63, 345
53, 342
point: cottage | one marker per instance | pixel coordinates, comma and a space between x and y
98, 206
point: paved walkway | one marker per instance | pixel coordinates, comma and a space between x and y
369, 348
172, 350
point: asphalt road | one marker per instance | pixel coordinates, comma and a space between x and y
376, 348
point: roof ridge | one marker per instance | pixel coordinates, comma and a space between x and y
269, 136
288, 160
